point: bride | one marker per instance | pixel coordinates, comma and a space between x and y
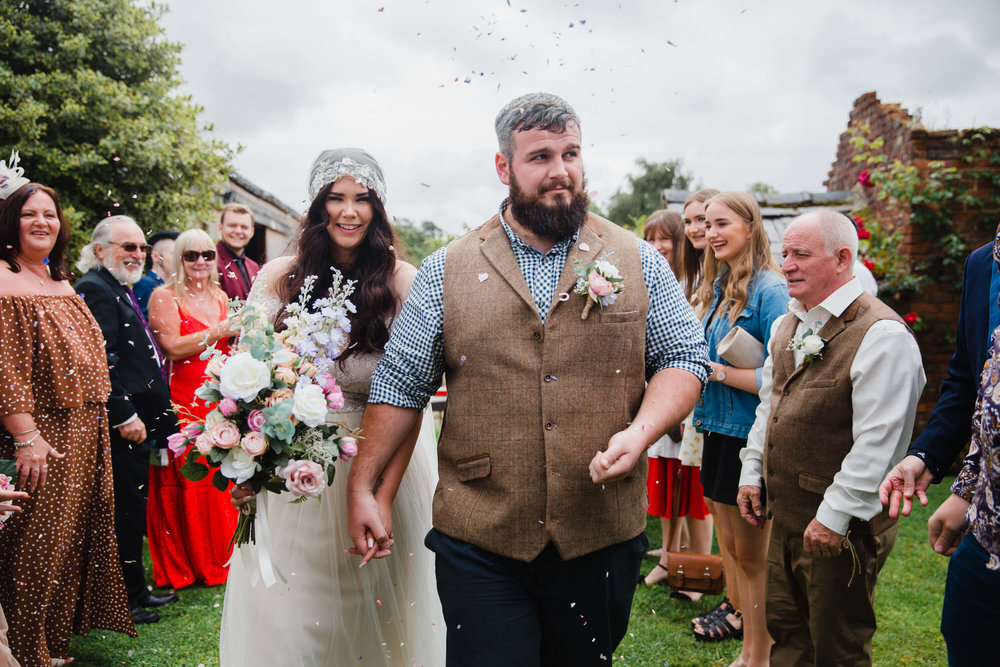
330, 612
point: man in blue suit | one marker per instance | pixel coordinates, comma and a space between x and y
950, 425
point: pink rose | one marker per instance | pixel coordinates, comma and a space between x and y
303, 478
214, 367
254, 443
599, 286
335, 398
224, 435
348, 447
278, 396
255, 420
204, 444
177, 443
192, 430
328, 383
309, 369
285, 374
227, 407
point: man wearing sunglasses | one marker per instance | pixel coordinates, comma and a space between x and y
236, 270
139, 404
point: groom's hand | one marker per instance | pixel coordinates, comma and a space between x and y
617, 461
371, 539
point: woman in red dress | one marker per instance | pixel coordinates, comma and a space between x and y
189, 524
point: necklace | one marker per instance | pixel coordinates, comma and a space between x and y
39, 269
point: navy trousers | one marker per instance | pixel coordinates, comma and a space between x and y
970, 617
548, 612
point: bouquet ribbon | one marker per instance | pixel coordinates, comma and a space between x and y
261, 569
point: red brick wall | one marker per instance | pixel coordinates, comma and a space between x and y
908, 141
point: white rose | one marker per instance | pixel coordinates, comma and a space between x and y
243, 376
310, 404
607, 269
238, 465
213, 418
812, 344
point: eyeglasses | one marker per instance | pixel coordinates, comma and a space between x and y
132, 247
193, 255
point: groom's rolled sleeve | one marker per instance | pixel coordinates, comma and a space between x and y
674, 337
410, 371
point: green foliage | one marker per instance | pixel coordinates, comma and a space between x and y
419, 241
644, 191
762, 188
87, 95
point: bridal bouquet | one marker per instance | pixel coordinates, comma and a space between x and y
270, 398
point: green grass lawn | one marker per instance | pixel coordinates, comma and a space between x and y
907, 601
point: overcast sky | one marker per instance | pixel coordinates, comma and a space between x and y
755, 90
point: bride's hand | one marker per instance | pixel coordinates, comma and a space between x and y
240, 495
385, 511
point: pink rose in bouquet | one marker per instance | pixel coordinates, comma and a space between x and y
348, 447
335, 398
204, 444
308, 368
214, 367
227, 407
285, 374
303, 478
254, 443
278, 396
255, 420
225, 435
192, 430
177, 443
600, 286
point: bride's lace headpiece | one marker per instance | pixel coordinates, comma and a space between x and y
354, 162
11, 176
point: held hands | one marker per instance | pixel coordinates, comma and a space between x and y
7, 496
948, 525
134, 431
909, 476
33, 464
820, 541
367, 526
240, 495
615, 463
751, 509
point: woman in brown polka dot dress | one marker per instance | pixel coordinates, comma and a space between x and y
59, 569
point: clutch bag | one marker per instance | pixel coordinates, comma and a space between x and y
741, 350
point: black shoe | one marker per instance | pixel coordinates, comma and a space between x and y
147, 599
141, 616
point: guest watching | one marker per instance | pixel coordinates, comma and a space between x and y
741, 287
236, 270
673, 485
139, 405
189, 523
159, 266
59, 568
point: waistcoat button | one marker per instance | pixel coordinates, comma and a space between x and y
536, 335
548, 426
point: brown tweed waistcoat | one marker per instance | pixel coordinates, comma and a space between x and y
529, 406
809, 430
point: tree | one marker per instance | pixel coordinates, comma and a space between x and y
644, 192
87, 98
762, 188
419, 242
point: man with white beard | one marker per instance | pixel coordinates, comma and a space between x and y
139, 405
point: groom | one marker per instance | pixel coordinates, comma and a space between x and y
540, 509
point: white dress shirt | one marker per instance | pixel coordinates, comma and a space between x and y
887, 377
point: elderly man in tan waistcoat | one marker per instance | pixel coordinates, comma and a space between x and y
540, 509
838, 398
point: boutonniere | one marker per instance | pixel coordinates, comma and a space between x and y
810, 344
599, 282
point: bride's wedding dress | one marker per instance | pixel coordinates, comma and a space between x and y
330, 612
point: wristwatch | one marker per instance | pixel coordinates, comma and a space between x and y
720, 375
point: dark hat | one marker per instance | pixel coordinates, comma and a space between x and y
165, 234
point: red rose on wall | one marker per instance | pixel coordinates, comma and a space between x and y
863, 234
911, 318
870, 265
865, 179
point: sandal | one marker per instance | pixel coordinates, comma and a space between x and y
720, 629
642, 579
724, 607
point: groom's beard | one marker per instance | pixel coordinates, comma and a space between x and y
554, 221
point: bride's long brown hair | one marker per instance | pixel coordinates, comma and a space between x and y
372, 269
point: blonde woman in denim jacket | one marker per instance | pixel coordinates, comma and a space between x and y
742, 286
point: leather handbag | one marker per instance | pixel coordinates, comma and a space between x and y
699, 573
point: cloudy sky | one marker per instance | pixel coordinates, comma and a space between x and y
754, 90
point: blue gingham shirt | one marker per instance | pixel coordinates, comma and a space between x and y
411, 369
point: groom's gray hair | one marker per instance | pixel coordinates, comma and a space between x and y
542, 111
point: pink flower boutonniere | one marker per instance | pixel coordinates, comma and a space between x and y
599, 282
